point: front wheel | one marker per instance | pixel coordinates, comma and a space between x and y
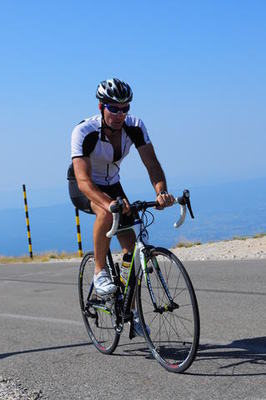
97, 313
167, 304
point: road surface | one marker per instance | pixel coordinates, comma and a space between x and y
45, 346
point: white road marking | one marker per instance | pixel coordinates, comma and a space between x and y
42, 319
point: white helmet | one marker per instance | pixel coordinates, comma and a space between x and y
114, 91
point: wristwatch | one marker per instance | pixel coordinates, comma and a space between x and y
162, 192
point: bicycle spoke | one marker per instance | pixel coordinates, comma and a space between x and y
174, 329
98, 322
177, 285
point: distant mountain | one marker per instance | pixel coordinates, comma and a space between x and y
221, 212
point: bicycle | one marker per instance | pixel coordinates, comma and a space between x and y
165, 298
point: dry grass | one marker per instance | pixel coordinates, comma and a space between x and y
256, 236
259, 235
43, 257
187, 244
240, 238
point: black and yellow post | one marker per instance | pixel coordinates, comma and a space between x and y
27, 220
78, 233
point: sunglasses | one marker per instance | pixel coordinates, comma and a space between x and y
116, 110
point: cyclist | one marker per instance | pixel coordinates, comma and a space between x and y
98, 146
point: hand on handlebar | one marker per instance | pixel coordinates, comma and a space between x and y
165, 200
124, 204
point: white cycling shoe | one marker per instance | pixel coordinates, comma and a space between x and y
103, 283
137, 328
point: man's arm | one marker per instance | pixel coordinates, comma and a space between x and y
156, 174
82, 169
153, 166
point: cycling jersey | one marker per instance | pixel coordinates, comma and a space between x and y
88, 140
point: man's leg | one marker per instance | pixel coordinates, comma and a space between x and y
102, 280
127, 240
101, 226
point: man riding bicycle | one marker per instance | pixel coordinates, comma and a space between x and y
98, 146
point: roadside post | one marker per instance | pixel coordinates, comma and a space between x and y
27, 220
78, 233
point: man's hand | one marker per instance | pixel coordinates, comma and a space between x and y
165, 200
126, 208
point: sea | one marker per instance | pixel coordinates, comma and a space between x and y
221, 212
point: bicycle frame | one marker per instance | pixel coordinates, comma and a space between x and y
138, 261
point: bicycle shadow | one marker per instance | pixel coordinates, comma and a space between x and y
249, 351
41, 349
220, 359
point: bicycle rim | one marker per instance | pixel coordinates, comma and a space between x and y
174, 325
96, 313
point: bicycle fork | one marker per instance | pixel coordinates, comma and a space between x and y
145, 253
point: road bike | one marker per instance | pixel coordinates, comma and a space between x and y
157, 280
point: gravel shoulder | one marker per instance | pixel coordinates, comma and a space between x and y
242, 249
237, 249
13, 390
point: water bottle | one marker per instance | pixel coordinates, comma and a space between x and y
125, 267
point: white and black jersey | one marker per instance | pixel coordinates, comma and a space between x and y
88, 140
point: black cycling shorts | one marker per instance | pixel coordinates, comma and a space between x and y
83, 203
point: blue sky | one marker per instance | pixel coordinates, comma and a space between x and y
197, 70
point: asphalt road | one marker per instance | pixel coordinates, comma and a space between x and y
44, 343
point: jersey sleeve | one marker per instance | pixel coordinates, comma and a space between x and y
83, 142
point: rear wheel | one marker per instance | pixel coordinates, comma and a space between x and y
168, 306
97, 313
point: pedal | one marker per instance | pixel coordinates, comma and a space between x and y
119, 329
109, 300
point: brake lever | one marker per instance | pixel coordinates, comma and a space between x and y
118, 207
116, 210
186, 196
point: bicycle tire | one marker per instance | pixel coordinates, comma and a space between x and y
181, 317
95, 313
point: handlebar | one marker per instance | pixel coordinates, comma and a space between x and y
116, 209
